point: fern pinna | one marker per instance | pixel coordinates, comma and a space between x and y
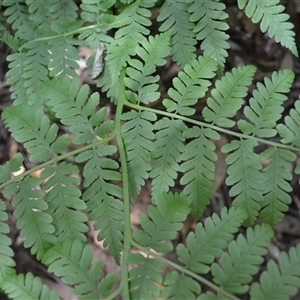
94, 160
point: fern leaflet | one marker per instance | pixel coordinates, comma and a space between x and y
175, 17
103, 197
240, 263
245, 177
211, 28
72, 261
198, 168
279, 282
13, 165
273, 21
266, 105
227, 96
208, 240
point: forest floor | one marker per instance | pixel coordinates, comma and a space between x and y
248, 46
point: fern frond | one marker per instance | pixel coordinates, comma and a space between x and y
35, 224
190, 85
211, 28
11, 41
178, 286
279, 282
273, 21
103, 197
245, 177
76, 110
127, 38
13, 165
138, 136
289, 132
198, 168
208, 240
29, 125
166, 154
276, 187
40, 14
163, 223
142, 84
236, 268
71, 260
20, 287
63, 11
145, 277
64, 204
265, 107
6, 253
227, 96
175, 17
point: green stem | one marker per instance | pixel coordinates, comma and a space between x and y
216, 128
184, 270
126, 198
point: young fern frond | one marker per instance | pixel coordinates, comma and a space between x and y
245, 177
265, 107
7, 263
198, 168
191, 84
139, 78
210, 28
227, 96
273, 21
279, 282
40, 139
72, 261
175, 17
208, 240
32, 219
20, 287
102, 197
276, 187
236, 268
138, 136
64, 204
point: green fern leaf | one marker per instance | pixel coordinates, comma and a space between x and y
13, 165
211, 296
289, 132
33, 221
175, 17
211, 28
209, 239
103, 197
273, 21
227, 96
63, 201
11, 41
190, 85
72, 262
178, 286
20, 287
145, 277
29, 125
63, 11
143, 86
76, 110
198, 168
240, 263
276, 187
279, 282
245, 177
6, 253
266, 105
166, 154
40, 14
163, 223
138, 133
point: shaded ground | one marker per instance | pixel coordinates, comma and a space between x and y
248, 46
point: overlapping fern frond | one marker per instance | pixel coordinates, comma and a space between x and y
272, 19
175, 17
210, 28
71, 260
